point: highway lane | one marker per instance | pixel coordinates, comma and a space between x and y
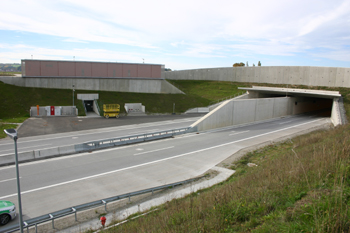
64, 139
58, 183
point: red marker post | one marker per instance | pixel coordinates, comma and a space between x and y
103, 221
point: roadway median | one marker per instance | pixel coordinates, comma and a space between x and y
45, 153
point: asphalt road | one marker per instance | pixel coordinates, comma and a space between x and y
54, 184
51, 131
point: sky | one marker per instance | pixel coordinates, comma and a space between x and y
179, 34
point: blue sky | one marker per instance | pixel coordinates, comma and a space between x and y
179, 34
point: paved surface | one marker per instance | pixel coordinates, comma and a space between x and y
51, 125
179, 192
92, 176
49, 141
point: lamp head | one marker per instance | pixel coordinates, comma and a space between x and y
12, 133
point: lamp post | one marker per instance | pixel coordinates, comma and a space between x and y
12, 133
73, 95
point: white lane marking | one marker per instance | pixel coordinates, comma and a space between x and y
238, 133
153, 162
154, 150
43, 139
119, 129
139, 149
23, 148
8, 179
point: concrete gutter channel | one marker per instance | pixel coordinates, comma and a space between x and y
121, 210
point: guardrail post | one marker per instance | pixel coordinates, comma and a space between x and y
36, 228
53, 224
75, 213
26, 225
104, 202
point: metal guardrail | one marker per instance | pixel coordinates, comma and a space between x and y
94, 145
75, 209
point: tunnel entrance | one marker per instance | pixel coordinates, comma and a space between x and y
304, 101
89, 105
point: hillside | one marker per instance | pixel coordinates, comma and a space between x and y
16, 101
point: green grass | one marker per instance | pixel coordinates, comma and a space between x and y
6, 126
16, 101
302, 185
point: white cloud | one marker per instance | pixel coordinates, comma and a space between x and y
196, 28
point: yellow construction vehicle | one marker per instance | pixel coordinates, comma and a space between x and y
111, 110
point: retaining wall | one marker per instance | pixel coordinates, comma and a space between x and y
103, 84
294, 75
242, 111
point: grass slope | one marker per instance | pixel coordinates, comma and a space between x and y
302, 185
16, 101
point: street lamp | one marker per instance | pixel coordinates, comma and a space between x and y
73, 95
12, 133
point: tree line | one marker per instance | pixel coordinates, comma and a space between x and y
242, 64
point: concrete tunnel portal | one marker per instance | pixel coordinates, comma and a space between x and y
264, 103
304, 101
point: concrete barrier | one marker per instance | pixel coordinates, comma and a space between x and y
39, 154
22, 157
64, 150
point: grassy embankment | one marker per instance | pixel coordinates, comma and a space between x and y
301, 185
16, 101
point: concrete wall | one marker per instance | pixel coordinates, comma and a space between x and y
242, 111
88, 96
102, 84
50, 68
294, 75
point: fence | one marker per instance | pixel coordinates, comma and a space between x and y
75, 209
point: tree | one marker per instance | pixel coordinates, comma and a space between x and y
238, 64
247, 64
259, 63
